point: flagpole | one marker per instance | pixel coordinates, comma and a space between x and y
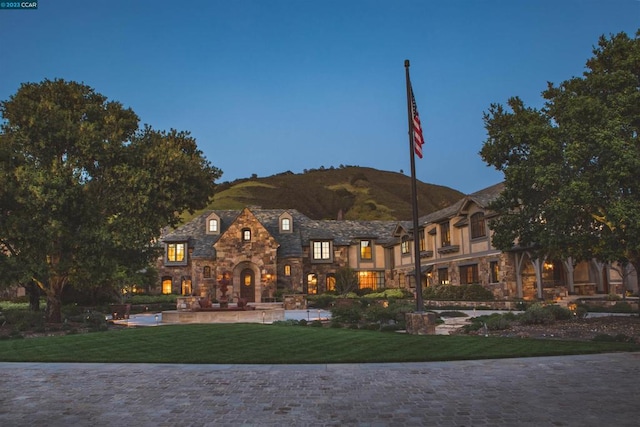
414, 197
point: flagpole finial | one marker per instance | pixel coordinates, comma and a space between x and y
406, 63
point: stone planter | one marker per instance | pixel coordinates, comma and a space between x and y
421, 323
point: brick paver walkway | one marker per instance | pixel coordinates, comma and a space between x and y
593, 390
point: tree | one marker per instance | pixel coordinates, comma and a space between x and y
572, 168
84, 191
346, 280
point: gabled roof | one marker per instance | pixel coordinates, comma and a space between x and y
482, 198
305, 229
342, 233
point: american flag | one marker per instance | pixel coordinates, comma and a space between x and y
418, 140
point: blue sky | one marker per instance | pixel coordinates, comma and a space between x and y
267, 86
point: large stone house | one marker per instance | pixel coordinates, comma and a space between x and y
260, 250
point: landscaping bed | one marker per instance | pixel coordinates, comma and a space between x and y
622, 328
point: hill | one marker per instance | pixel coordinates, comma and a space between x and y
351, 192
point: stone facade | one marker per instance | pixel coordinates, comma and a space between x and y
262, 251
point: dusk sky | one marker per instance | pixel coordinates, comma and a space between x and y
267, 86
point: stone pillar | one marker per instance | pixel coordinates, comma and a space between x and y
421, 323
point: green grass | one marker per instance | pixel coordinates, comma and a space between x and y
269, 344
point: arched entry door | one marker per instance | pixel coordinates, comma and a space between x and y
248, 285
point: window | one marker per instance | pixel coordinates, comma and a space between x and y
445, 234
331, 282
287, 270
365, 249
175, 252
478, 228
494, 272
186, 285
469, 274
206, 272
371, 279
167, 285
246, 235
321, 250
423, 242
443, 276
286, 224
312, 284
404, 246
213, 225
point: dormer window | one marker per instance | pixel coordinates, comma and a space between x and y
365, 250
246, 235
212, 224
478, 228
445, 234
286, 223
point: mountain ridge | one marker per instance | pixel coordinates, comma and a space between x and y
346, 192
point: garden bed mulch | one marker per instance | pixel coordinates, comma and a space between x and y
575, 329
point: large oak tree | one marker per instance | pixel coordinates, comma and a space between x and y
84, 191
572, 168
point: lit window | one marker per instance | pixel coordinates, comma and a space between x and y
443, 276
468, 274
371, 279
213, 225
365, 249
186, 285
478, 228
312, 282
321, 250
167, 285
445, 234
287, 270
404, 246
331, 282
423, 241
494, 272
246, 235
175, 252
286, 224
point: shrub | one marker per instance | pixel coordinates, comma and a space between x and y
471, 292
559, 313
537, 314
622, 307
498, 323
25, 320
316, 324
476, 293
388, 294
351, 314
321, 301
453, 314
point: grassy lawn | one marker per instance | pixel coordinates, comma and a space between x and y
250, 343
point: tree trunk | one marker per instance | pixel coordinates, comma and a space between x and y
34, 296
636, 264
54, 300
